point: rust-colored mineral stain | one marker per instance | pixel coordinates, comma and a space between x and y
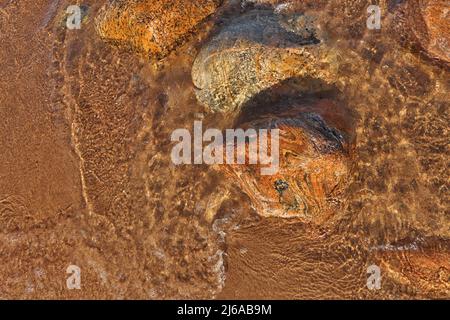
153, 27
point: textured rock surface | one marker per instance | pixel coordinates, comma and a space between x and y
153, 27
314, 165
423, 25
430, 21
254, 52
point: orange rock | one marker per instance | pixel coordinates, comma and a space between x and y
430, 24
314, 164
153, 27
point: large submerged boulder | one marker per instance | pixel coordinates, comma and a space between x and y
315, 149
152, 27
254, 52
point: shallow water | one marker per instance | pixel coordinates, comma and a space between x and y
87, 179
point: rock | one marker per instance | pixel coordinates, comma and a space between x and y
152, 27
314, 164
254, 52
428, 23
425, 271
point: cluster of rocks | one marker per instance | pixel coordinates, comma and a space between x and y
249, 55
253, 53
257, 52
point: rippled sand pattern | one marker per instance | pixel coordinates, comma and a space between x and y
87, 179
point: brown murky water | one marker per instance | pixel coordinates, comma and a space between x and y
87, 179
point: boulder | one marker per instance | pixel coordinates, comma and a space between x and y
254, 52
315, 151
152, 27
424, 25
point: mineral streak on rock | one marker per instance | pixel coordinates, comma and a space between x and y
254, 52
153, 27
314, 165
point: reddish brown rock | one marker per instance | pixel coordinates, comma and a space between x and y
153, 27
314, 164
429, 21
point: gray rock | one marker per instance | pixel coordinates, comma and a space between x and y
253, 53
